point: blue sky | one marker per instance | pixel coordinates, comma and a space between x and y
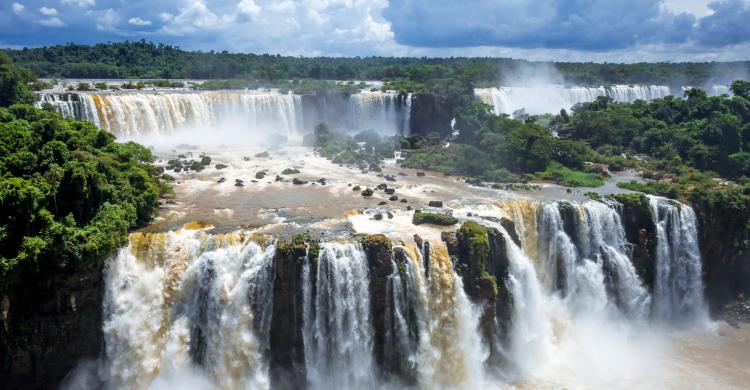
581, 30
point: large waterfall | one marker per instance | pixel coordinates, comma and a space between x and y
553, 98
190, 306
133, 114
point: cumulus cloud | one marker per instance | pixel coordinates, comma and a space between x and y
108, 21
18, 8
599, 30
591, 25
48, 11
80, 3
53, 22
248, 8
139, 22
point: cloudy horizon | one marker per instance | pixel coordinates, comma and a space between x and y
564, 30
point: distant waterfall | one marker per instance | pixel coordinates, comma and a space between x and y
140, 113
134, 114
551, 99
379, 110
338, 329
678, 289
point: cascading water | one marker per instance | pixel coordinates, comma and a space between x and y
550, 99
678, 286
337, 325
380, 111
182, 300
136, 114
187, 304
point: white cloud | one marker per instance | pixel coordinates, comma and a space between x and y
248, 8
139, 22
52, 22
166, 16
193, 17
80, 3
108, 21
48, 11
18, 8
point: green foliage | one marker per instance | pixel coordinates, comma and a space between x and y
68, 192
427, 217
569, 177
13, 81
443, 75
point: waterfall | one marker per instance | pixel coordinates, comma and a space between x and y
550, 99
678, 287
379, 111
337, 326
583, 251
188, 304
136, 114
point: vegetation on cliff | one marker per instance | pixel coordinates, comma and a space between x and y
68, 192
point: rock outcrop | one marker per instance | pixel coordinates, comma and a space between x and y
49, 326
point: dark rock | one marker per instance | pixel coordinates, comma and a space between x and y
377, 216
389, 178
390, 191
382, 186
393, 198
435, 203
420, 174
403, 201
52, 323
221, 180
297, 181
260, 175
382, 203
367, 192
322, 181
290, 171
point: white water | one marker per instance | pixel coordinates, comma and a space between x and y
162, 113
550, 99
188, 309
678, 289
337, 326
184, 308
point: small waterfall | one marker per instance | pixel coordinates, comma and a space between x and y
550, 99
188, 304
380, 111
401, 322
337, 326
450, 352
584, 255
678, 287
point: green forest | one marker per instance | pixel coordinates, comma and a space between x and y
144, 60
68, 192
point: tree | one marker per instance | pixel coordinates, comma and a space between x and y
13, 81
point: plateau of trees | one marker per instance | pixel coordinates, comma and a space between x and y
141, 59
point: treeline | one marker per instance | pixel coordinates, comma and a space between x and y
143, 59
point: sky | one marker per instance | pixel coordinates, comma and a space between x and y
563, 30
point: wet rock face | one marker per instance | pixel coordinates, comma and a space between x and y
286, 355
640, 232
483, 266
378, 249
49, 327
724, 241
432, 113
